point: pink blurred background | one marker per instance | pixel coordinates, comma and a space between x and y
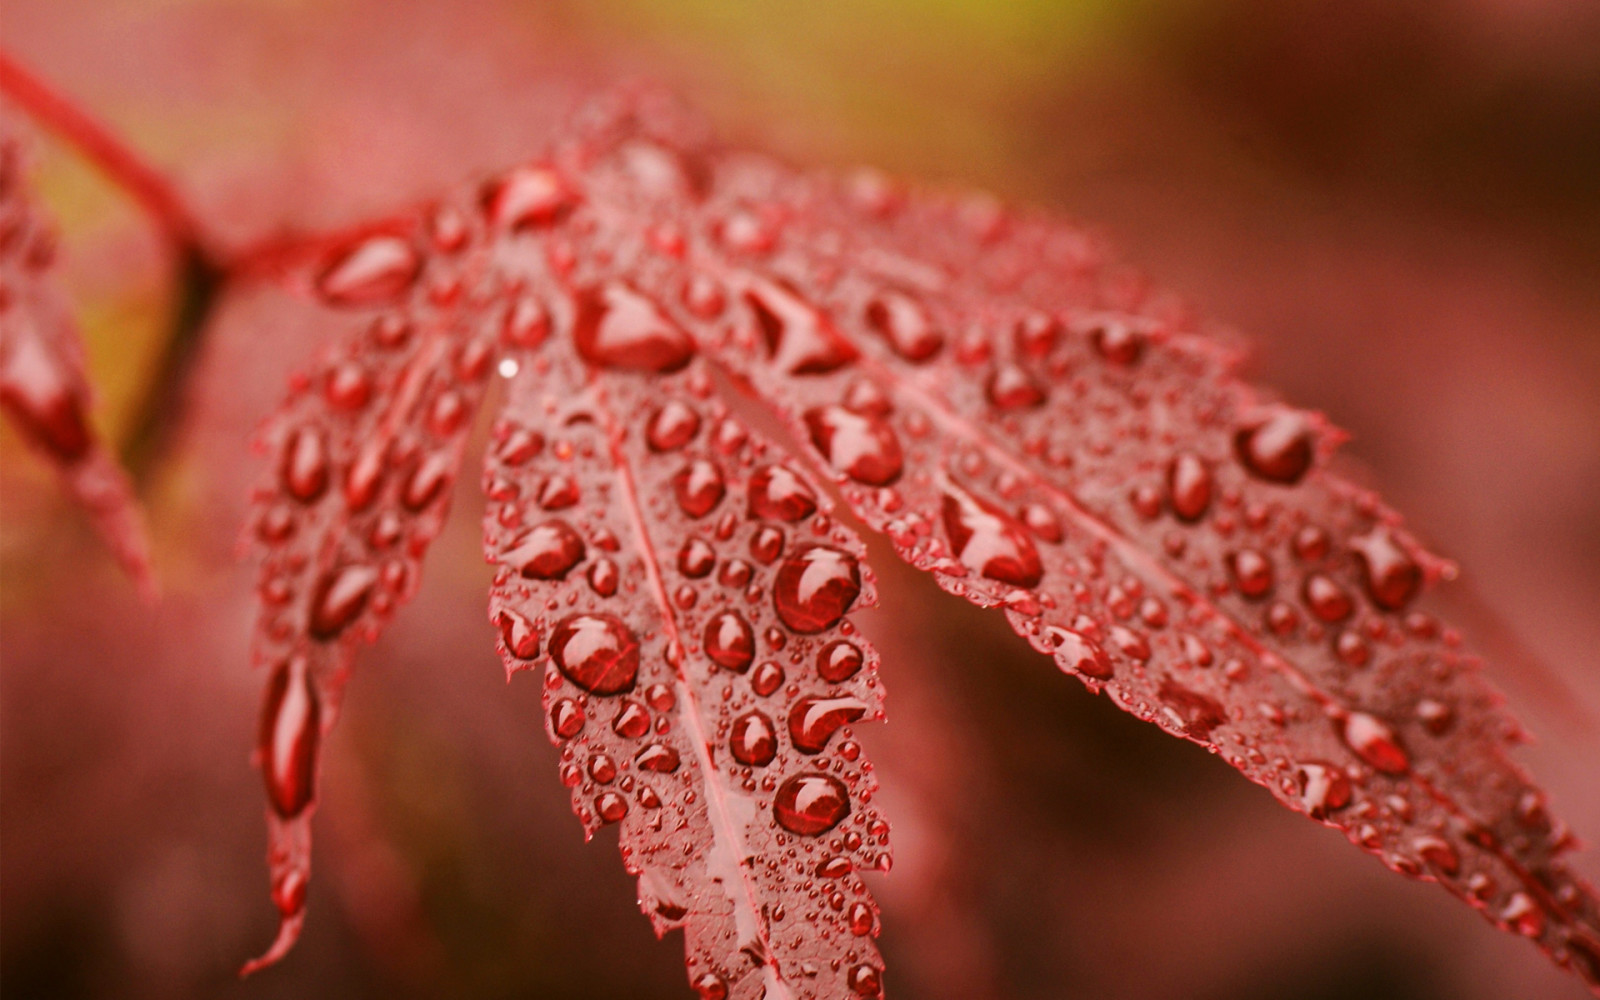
1398, 203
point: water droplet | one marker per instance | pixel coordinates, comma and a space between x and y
766, 544
1189, 485
839, 660
1375, 743
1010, 387
657, 757
632, 721
710, 986
558, 493
1199, 713
861, 919
811, 804
290, 732
521, 639
813, 721
1392, 576
1352, 649
699, 487
1042, 521
347, 386
1279, 450
603, 577
1118, 341
989, 542
866, 981
1435, 716
566, 718
341, 596
1523, 915
767, 678
616, 327
1080, 654
526, 324
364, 477
862, 446
42, 399
730, 642
672, 426
427, 481
777, 493
1326, 599
379, 269
547, 552
519, 445
527, 196
1324, 789
753, 740
903, 322
800, 338
596, 652
1252, 573
1438, 853
611, 807
815, 587
305, 464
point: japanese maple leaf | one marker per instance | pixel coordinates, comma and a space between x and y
981, 386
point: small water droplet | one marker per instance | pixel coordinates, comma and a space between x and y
657, 757
616, 327
290, 733
1392, 576
566, 718
904, 323
767, 678
839, 661
526, 324
766, 544
1252, 573
1435, 716
611, 807
730, 642
1080, 654
866, 981
1438, 853
778, 494
347, 386
521, 639
800, 338
1118, 341
378, 269
861, 919
305, 464
813, 721
558, 493
632, 721
753, 741
1324, 789
672, 426
596, 652
696, 558
1375, 743
862, 446
710, 986
1011, 387
603, 577
527, 196
1326, 599
547, 552
1189, 485
699, 487
1279, 450
989, 542
814, 588
811, 804
341, 596
1042, 521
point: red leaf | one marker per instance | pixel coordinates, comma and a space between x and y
366, 449
42, 385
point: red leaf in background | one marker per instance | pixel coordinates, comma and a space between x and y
1017, 416
42, 385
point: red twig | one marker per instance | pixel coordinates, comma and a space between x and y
101, 146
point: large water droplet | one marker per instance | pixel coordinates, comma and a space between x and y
547, 552
905, 324
1392, 576
815, 587
862, 446
866, 981
290, 731
730, 642
780, 495
813, 720
1279, 450
1375, 743
379, 269
811, 804
989, 542
800, 338
596, 652
1189, 485
616, 327
340, 598
753, 740
699, 487
305, 464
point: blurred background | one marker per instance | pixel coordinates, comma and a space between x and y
1398, 202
